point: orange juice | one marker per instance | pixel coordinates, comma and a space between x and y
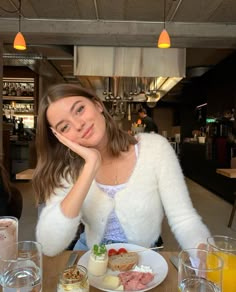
229, 271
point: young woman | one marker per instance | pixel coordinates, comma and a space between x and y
117, 185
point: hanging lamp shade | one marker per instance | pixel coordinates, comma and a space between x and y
19, 42
164, 40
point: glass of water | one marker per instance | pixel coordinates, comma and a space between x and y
21, 267
199, 270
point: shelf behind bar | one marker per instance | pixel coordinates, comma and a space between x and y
9, 97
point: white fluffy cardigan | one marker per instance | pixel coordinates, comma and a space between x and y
156, 186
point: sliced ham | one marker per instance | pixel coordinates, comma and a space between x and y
134, 280
146, 278
133, 285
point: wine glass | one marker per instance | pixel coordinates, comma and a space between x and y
199, 270
225, 247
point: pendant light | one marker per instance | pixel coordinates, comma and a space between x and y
19, 41
164, 38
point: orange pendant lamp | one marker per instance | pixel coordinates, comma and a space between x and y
164, 38
19, 41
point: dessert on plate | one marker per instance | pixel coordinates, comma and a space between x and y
98, 260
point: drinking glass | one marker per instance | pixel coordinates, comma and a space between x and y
21, 267
199, 270
8, 232
225, 247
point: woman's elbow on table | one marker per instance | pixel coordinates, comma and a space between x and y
52, 244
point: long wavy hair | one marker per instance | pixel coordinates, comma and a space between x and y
54, 160
5, 183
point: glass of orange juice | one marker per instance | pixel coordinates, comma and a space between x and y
225, 247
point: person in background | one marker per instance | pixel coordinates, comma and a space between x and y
119, 186
11, 202
150, 125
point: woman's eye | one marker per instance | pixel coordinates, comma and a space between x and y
64, 128
80, 109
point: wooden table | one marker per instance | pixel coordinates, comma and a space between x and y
230, 173
25, 174
52, 266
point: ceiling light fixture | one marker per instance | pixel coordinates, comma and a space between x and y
164, 38
19, 41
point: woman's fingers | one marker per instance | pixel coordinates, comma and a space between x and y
63, 139
68, 143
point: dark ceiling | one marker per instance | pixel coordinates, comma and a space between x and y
206, 28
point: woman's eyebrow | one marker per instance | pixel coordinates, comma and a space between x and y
74, 105
57, 125
71, 110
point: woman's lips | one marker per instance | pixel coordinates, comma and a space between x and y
88, 132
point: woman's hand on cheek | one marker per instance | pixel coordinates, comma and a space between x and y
90, 155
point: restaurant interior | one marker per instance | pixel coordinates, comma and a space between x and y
111, 47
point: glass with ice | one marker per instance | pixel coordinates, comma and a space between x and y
21, 267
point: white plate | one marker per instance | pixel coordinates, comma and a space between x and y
149, 258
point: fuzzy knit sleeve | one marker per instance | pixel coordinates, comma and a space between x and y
54, 230
184, 221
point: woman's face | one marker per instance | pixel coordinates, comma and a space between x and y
79, 119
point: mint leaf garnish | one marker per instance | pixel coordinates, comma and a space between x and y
99, 250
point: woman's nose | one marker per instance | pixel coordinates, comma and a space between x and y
79, 124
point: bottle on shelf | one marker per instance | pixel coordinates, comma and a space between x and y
18, 89
7, 89
13, 90
4, 89
24, 92
28, 89
31, 90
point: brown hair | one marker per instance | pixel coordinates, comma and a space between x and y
54, 160
142, 110
5, 180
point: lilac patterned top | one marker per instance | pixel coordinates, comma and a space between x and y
113, 231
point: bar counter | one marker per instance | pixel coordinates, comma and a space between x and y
199, 166
228, 172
